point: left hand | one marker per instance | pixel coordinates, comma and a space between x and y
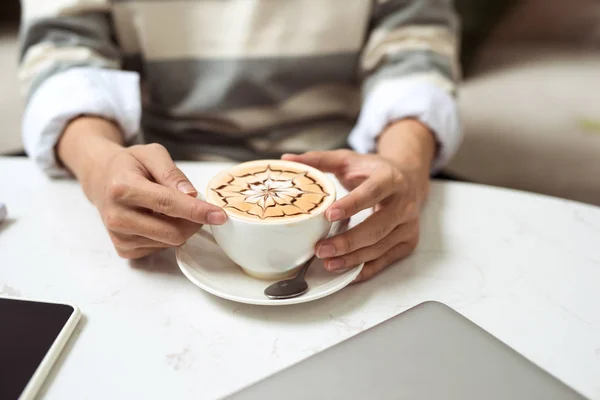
393, 190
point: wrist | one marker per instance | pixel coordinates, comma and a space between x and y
408, 142
412, 147
86, 145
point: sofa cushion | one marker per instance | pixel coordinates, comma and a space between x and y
528, 117
478, 20
576, 22
10, 101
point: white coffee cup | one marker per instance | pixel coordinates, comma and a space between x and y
273, 248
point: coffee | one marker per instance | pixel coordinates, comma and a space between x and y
277, 215
270, 190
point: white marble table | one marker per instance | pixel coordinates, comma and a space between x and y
524, 267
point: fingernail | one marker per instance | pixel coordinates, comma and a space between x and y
186, 187
336, 214
216, 218
336, 263
326, 251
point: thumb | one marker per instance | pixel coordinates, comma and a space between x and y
160, 165
327, 161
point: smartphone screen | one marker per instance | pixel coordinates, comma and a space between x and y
28, 330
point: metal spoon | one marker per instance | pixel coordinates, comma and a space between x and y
290, 288
297, 286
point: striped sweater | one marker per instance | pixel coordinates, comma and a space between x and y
239, 79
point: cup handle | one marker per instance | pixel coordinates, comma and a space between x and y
338, 227
205, 228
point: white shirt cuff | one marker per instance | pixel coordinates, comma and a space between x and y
111, 94
394, 100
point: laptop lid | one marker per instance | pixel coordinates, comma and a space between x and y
427, 352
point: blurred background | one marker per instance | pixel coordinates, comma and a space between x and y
530, 99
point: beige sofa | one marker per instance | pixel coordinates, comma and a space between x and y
527, 106
530, 104
10, 106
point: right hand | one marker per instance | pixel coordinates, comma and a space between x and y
146, 202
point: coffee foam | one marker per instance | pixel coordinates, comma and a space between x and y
270, 191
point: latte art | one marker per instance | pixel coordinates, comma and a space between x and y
270, 192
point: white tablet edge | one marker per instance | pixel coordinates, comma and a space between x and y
39, 376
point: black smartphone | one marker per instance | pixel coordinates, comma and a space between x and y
32, 336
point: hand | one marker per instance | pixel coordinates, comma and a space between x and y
145, 201
394, 189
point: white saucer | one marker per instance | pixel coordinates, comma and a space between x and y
204, 263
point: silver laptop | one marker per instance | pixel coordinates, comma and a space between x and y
427, 352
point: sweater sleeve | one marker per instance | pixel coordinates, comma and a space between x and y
410, 68
70, 65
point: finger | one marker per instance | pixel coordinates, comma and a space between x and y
140, 192
134, 254
403, 233
130, 242
375, 189
163, 229
374, 267
159, 163
327, 161
373, 229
